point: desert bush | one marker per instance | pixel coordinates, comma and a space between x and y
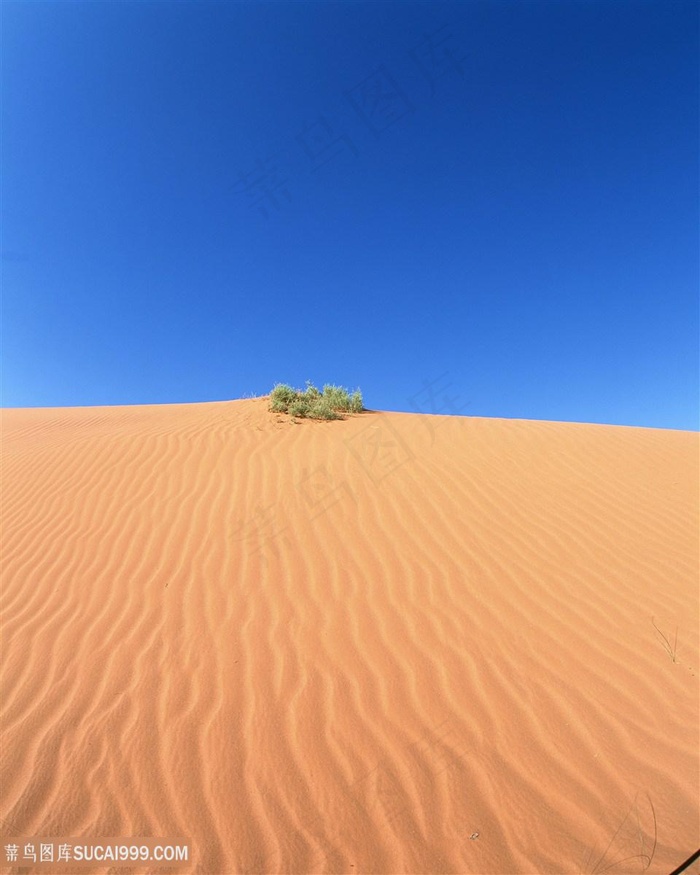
337, 397
281, 397
323, 409
311, 393
300, 407
329, 404
356, 405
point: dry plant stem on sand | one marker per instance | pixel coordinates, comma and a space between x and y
629, 835
670, 649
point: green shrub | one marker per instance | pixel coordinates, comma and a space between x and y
356, 405
329, 404
283, 394
322, 409
300, 407
337, 397
311, 394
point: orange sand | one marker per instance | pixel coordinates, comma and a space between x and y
391, 644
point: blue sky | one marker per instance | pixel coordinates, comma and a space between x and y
480, 207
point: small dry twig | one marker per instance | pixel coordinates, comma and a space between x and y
671, 650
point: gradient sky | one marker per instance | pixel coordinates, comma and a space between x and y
480, 207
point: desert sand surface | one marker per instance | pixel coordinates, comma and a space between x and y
396, 643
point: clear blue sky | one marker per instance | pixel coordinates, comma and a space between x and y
484, 207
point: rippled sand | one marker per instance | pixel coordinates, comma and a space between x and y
391, 644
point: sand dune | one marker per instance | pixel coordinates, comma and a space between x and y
391, 644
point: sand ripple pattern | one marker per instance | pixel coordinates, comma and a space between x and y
392, 644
